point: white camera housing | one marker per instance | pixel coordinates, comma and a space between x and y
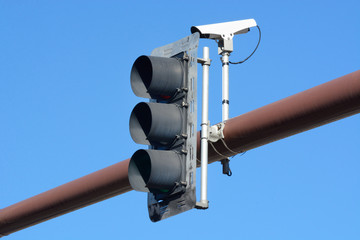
223, 33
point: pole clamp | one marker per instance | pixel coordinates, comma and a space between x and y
204, 61
216, 132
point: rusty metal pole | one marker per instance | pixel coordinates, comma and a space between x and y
312, 108
317, 106
84, 191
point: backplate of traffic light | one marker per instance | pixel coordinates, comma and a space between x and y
167, 123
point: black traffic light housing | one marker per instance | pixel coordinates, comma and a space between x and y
167, 124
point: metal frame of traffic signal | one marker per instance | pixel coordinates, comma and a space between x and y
159, 174
167, 123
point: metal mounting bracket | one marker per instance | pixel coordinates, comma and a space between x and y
225, 44
216, 132
204, 61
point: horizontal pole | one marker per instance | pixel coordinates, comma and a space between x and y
312, 108
92, 188
317, 106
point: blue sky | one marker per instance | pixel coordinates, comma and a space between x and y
65, 101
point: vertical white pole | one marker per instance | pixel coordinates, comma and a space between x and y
204, 129
225, 102
225, 86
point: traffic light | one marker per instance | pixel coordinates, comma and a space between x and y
167, 123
